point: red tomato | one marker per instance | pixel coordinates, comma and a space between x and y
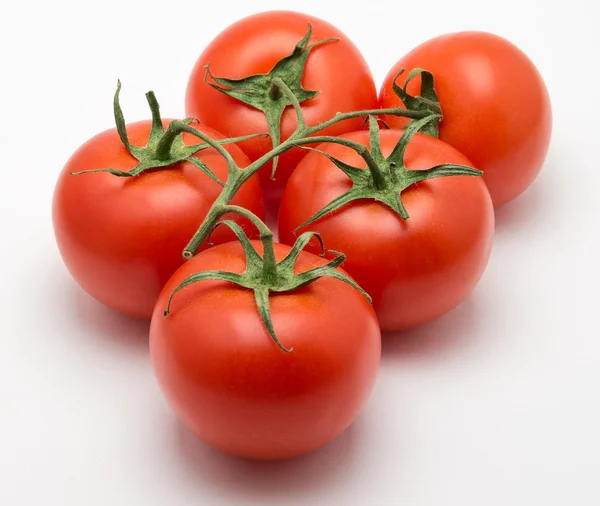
495, 104
121, 238
231, 385
416, 269
254, 45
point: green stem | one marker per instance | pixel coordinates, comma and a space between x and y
251, 169
303, 131
178, 127
397, 111
300, 136
361, 149
303, 135
285, 90
163, 148
260, 225
269, 270
214, 214
220, 207
266, 237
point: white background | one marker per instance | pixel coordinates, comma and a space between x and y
495, 404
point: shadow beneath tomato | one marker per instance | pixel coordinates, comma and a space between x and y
260, 480
448, 334
95, 321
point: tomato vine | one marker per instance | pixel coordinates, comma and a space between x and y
303, 135
272, 93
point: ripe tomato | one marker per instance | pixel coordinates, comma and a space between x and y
495, 104
415, 269
229, 382
253, 45
121, 238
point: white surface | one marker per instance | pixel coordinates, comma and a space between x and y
496, 404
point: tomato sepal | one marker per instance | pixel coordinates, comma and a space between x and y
264, 275
261, 92
164, 147
427, 99
386, 178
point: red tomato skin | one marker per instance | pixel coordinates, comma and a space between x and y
234, 388
417, 269
122, 238
253, 45
496, 106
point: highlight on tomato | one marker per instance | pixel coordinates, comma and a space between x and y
128, 200
413, 217
263, 350
496, 107
231, 85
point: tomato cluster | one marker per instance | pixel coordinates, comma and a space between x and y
385, 217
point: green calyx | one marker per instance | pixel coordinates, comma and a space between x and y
264, 275
384, 179
165, 147
427, 100
261, 92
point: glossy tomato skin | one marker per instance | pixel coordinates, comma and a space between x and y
252, 46
496, 106
416, 269
122, 238
234, 388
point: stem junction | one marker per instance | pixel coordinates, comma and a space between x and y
165, 147
264, 275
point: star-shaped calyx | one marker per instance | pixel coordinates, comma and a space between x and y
264, 275
260, 92
384, 179
165, 146
427, 100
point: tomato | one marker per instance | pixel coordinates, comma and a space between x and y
229, 382
415, 269
252, 46
121, 238
496, 106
